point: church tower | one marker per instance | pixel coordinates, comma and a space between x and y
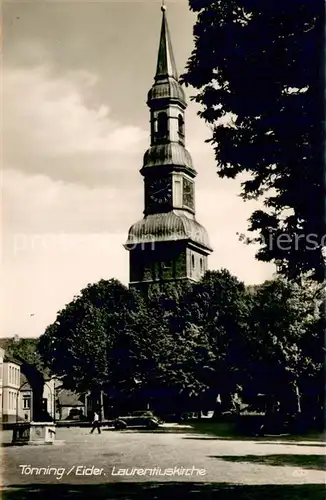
168, 244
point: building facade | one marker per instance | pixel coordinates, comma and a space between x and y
26, 398
168, 244
16, 397
2, 355
10, 388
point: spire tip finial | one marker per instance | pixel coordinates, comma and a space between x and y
163, 6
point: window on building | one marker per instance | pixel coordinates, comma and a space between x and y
201, 264
27, 402
181, 125
162, 125
193, 261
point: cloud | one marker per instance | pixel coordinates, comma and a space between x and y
65, 164
38, 204
54, 133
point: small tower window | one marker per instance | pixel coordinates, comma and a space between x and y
181, 125
162, 125
201, 264
193, 261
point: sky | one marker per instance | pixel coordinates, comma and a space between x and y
75, 127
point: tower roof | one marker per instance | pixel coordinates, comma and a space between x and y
165, 62
166, 82
171, 153
168, 226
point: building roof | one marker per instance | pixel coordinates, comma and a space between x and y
165, 62
10, 359
166, 84
173, 154
69, 398
24, 384
168, 227
166, 89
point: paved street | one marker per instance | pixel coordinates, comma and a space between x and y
113, 451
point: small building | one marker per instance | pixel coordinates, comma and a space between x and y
69, 405
26, 398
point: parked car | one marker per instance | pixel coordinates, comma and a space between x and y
137, 420
76, 415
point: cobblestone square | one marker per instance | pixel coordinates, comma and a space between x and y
126, 459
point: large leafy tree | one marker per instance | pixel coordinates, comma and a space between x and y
286, 339
174, 348
112, 339
219, 307
259, 69
78, 345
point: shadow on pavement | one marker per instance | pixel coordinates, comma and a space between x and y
10, 445
146, 491
316, 462
312, 444
210, 438
257, 440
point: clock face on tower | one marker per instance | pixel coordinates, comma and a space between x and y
160, 191
188, 193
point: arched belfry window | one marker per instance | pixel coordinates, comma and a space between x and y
162, 125
181, 125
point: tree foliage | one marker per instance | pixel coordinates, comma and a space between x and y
218, 305
78, 345
26, 350
285, 318
259, 69
180, 347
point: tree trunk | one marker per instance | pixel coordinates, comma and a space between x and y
101, 406
298, 397
95, 402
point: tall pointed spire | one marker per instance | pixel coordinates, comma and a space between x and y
165, 63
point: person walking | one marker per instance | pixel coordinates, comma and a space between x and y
96, 424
